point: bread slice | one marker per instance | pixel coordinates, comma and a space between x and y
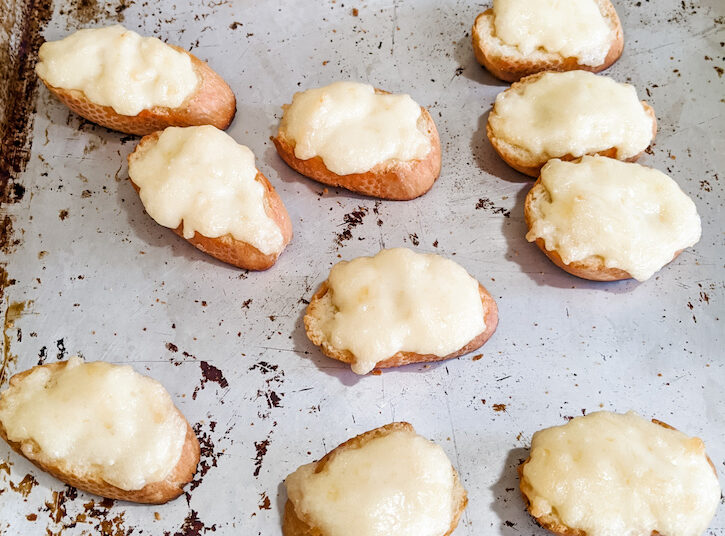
315, 333
213, 103
522, 160
591, 268
512, 66
152, 493
293, 525
226, 248
392, 179
551, 522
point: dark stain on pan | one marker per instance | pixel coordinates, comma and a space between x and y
209, 373
84, 12
350, 221
209, 455
261, 447
192, 526
486, 204
264, 502
25, 486
14, 311
60, 345
24, 27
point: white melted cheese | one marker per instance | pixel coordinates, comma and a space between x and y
635, 218
96, 419
201, 176
399, 484
573, 113
400, 300
352, 128
608, 474
570, 28
117, 67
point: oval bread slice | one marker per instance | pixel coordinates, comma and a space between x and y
152, 493
513, 67
317, 336
213, 103
522, 161
292, 525
226, 248
593, 267
392, 179
551, 522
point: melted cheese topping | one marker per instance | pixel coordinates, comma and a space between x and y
96, 419
635, 218
352, 128
201, 176
573, 113
398, 484
397, 301
116, 67
608, 474
570, 28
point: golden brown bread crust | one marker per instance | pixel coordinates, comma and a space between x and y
153, 493
513, 68
226, 248
213, 103
591, 268
314, 333
389, 180
528, 164
292, 525
551, 522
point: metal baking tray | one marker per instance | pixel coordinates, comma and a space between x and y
85, 271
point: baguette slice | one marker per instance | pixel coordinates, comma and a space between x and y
226, 248
591, 268
292, 525
317, 336
213, 103
523, 161
153, 493
512, 67
551, 522
392, 179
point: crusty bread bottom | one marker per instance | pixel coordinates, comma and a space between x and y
389, 180
522, 160
551, 522
293, 525
591, 268
152, 493
511, 68
316, 335
226, 248
213, 103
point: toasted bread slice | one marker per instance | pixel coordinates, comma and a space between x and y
226, 248
392, 179
551, 522
593, 267
152, 493
213, 103
315, 333
293, 525
529, 164
510, 65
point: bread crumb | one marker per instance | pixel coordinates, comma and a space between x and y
355, 12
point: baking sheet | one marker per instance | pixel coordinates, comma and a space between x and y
87, 272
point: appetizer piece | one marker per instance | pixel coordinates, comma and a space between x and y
605, 220
120, 80
568, 115
399, 307
608, 474
199, 182
386, 481
364, 139
517, 38
102, 428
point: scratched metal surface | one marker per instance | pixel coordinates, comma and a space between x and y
89, 273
